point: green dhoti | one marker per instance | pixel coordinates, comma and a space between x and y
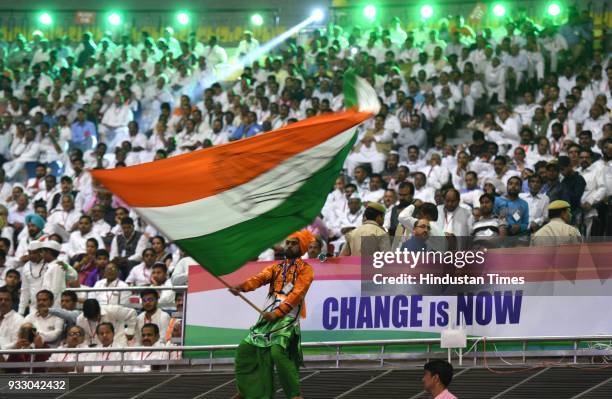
269, 346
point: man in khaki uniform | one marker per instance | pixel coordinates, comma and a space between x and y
378, 238
558, 230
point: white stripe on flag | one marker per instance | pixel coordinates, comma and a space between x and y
246, 201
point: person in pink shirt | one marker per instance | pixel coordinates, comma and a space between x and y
436, 379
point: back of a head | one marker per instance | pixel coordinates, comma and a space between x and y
91, 308
429, 211
441, 368
371, 214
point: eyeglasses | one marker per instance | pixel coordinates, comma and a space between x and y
422, 226
149, 299
74, 334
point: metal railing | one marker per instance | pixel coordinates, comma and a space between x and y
381, 355
179, 288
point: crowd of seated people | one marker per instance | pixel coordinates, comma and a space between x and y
481, 129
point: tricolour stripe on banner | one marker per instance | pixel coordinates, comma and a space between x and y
347, 268
200, 174
249, 200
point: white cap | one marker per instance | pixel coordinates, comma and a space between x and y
355, 195
34, 245
51, 244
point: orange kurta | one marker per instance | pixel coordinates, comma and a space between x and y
299, 270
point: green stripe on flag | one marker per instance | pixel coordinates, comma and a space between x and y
219, 252
349, 89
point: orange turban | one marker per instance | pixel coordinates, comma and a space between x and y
305, 237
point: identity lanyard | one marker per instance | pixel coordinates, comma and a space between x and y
109, 297
286, 269
92, 331
105, 359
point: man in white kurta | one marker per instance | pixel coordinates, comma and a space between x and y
151, 313
150, 337
31, 276
10, 321
48, 326
123, 320
58, 272
111, 280
78, 239
113, 129
105, 335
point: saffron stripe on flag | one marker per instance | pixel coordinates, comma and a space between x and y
205, 173
247, 201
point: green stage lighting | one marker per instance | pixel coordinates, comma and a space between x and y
554, 9
182, 18
257, 19
427, 11
369, 12
45, 19
499, 10
114, 19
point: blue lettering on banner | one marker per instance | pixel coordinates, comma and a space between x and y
484, 308
507, 307
364, 318
330, 305
403, 311
347, 312
399, 317
442, 318
381, 311
465, 306
415, 311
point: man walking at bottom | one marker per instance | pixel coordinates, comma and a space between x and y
436, 379
274, 341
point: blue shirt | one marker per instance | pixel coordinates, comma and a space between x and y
245, 131
82, 131
517, 212
51, 120
414, 244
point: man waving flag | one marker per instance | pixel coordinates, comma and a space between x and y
226, 204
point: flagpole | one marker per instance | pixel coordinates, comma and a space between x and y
251, 304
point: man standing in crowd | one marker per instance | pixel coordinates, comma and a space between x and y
370, 236
123, 320
559, 230
274, 341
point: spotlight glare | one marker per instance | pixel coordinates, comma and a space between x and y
114, 19
182, 18
554, 9
427, 11
257, 19
499, 10
369, 12
45, 19
318, 15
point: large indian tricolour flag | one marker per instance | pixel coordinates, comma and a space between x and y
226, 204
